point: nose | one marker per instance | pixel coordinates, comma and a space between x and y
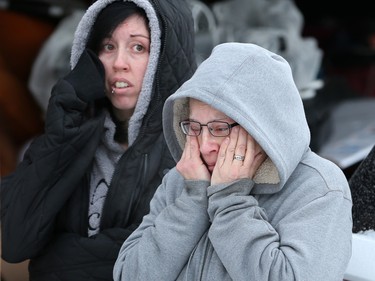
121, 61
208, 144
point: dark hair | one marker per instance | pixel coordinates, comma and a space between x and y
108, 19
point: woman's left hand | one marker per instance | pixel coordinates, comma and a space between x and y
228, 168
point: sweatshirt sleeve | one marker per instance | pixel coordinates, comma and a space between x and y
34, 194
303, 245
161, 246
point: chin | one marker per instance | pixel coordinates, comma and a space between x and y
123, 112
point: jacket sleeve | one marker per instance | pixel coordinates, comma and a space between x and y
362, 186
34, 194
299, 247
71, 256
174, 222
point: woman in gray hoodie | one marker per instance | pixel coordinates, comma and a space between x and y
248, 199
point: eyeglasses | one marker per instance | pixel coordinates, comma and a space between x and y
216, 128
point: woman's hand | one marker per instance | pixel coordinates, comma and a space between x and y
229, 169
87, 77
191, 165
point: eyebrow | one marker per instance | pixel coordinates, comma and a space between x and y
140, 35
223, 119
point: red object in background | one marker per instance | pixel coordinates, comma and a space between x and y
361, 79
20, 117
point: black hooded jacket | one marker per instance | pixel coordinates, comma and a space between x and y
44, 203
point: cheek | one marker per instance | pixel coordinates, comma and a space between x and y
220, 141
142, 67
107, 69
105, 62
102, 58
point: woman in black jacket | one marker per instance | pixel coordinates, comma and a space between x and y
86, 183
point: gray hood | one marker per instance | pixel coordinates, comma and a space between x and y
255, 88
163, 75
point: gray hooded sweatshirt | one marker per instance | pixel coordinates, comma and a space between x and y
291, 222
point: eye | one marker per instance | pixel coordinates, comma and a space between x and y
108, 47
138, 48
195, 127
219, 127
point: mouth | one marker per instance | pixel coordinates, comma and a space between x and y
118, 83
119, 87
121, 84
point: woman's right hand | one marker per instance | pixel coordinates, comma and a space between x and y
191, 166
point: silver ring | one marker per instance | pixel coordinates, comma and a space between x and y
238, 157
113, 92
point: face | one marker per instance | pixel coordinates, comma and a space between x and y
208, 145
125, 57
